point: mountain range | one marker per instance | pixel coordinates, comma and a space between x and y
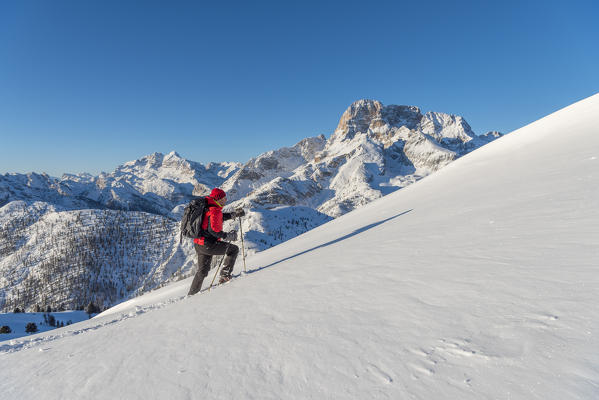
69, 240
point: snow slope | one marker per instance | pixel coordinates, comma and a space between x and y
478, 282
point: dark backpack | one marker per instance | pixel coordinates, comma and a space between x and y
193, 216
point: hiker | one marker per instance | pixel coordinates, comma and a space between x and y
211, 243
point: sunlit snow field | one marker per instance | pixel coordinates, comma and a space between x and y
479, 282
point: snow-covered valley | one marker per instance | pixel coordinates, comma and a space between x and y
17, 323
478, 282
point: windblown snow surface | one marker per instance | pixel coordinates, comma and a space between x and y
479, 282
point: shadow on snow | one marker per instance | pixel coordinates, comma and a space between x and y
356, 232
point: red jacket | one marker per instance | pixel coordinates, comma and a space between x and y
213, 223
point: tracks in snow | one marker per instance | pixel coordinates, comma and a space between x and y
19, 344
24, 343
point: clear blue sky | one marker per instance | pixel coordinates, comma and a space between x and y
89, 85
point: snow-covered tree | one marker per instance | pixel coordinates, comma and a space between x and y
31, 327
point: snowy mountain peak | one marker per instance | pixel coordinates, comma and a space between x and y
373, 118
309, 147
154, 160
273, 164
446, 126
358, 117
387, 125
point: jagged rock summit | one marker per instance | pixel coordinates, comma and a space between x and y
386, 123
370, 115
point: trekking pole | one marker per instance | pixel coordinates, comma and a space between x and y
219, 265
242, 246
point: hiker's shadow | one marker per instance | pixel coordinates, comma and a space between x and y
357, 231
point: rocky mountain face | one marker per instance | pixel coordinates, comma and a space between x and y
47, 257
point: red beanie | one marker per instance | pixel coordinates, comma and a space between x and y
217, 194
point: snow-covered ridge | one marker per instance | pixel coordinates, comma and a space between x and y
155, 183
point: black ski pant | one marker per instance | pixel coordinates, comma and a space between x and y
205, 253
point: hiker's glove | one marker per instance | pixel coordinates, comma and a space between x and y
231, 236
239, 213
